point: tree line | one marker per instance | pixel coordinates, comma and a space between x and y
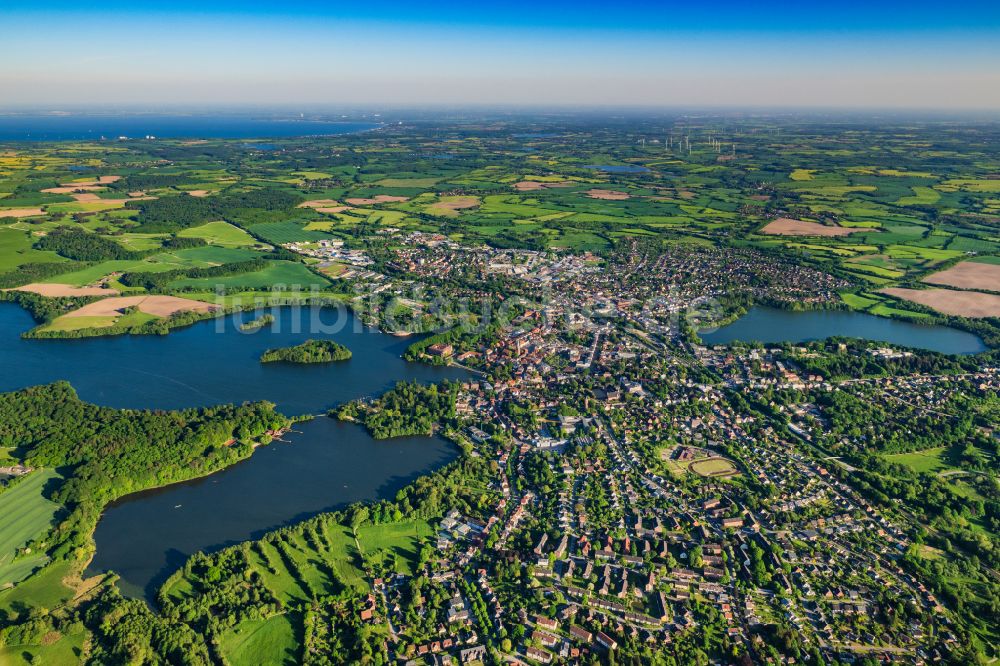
80, 245
169, 214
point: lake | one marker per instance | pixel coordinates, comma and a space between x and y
213, 362
328, 465
91, 127
762, 324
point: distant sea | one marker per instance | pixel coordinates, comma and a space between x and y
92, 127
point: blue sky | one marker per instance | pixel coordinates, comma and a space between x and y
848, 54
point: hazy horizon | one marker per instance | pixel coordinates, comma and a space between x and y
847, 55
390, 112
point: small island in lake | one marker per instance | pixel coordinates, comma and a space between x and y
259, 322
310, 351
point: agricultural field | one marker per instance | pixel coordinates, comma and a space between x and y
16, 249
281, 274
262, 299
124, 312
882, 210
202, 257
96, 273
271, 641
280, 233
972, 304
28, 515
968, 275
621, 217
220, 233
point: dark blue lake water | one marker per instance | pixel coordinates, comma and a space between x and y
91, 127
762, 324
212, 362
326, 465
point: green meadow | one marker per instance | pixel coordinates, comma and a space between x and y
275, 640
284, 274
28, 515
220, 233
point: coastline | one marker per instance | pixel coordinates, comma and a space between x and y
163, 127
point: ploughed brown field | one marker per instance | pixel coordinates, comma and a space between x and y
377, 199
968, 275
70, 189
89, 197
56, 290
608, 195
455, 204
331, 206
534, 185
21, 212
101, 180
529, 186
318, 203
786, 226
948, 301
161, 306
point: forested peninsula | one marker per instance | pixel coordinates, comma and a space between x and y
108, 453
410, 408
